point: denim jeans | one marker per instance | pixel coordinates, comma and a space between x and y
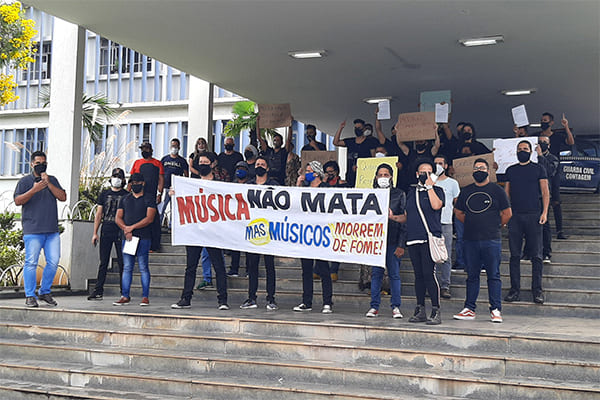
444, 269
460, 243
34, 243
106, 243
392, 264
527, 226
322, 268
141, 255
192, 256
483, 254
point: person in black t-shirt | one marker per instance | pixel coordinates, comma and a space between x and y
134, 216
551, 165
173, 164
360, 146
229, 158
483, 208
526, 185
392, 149
108, 202
468, 144
311, 135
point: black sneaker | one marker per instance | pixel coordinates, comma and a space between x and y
232, 274
547, 260
539, 298
435, 318
512, 296
419, 315
95, 296
526, 257
561, 236
457, 266
203, 285
302, 307
181, 304
272, 306
48, 299
445, 294
223, 307
31, 302
249, 304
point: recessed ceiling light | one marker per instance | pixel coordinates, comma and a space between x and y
376, 100
518, 92
308, 54
482, 41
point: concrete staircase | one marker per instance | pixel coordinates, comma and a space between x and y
93, 350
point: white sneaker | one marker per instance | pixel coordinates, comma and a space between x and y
327, 309
396, 313
372, 313
496, 315
302, 307
466, 314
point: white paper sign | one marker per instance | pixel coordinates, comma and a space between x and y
441, 113
384, 110
505, 152
519, 115
130, 246
335, 224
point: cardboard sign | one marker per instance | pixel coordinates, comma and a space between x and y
275, 115
428, 100
416, 126
367, 167
321, 156
463, 169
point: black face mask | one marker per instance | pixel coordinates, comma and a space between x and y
467, 135
421, 146
260, 171
545, 125
480, 176
40, 168
248, 155
228, 147
146, 154
422, 178
544, 147
137, 188
204, 169
358, 132
523, 156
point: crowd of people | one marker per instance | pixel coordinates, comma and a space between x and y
425, 201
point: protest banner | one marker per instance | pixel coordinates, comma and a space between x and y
367, 167
307, 156
275, 115
428, 100
335, 224
463, 169
505, 151
416, 126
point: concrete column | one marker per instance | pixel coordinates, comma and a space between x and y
64, 138
200, 112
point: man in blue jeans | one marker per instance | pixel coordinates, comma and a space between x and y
483, 208
37, 194
134, 216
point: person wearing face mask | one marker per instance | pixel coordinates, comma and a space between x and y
276, 155
484, 208
360, 146
332, 171
551, 164
293, 163
396, 238
241, 175
135, 214
422, 150
527, 189
520, 131
559, 140
392, 149
37, 193
311, 137
451, 192
314, 176
431, 200
173, 164
106, 212
154, 178
200, 147
250, 154
228, 158
468, 144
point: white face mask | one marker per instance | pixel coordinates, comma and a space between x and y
439, 170
174, 150
383, 182
379, 155
115, 182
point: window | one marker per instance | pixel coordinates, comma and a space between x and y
110, 61
28, 141
41, 65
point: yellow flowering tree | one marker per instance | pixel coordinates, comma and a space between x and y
16, 46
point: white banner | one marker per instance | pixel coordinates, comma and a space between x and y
505, 152
334, 224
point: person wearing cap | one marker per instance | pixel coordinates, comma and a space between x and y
229, 158
431, 200
241, 175
315, 177
250, 154
135, 214
154, 177
110, 234
173, 164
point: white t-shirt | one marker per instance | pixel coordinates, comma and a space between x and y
451, 190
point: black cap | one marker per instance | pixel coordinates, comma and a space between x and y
242, 164
118, 172
146, 145
137, 177
424, 160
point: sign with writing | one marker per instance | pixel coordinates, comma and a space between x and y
505, 151
463, 169
335, 224
275, 115
367, 167
321, 156
416, 126
428, 100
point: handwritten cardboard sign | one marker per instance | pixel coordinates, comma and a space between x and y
275, 115
321, 156
367, 167
463, 169
416, 126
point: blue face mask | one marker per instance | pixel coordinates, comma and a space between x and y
309, 176
241, 173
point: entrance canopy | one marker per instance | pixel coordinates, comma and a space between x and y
373, 49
